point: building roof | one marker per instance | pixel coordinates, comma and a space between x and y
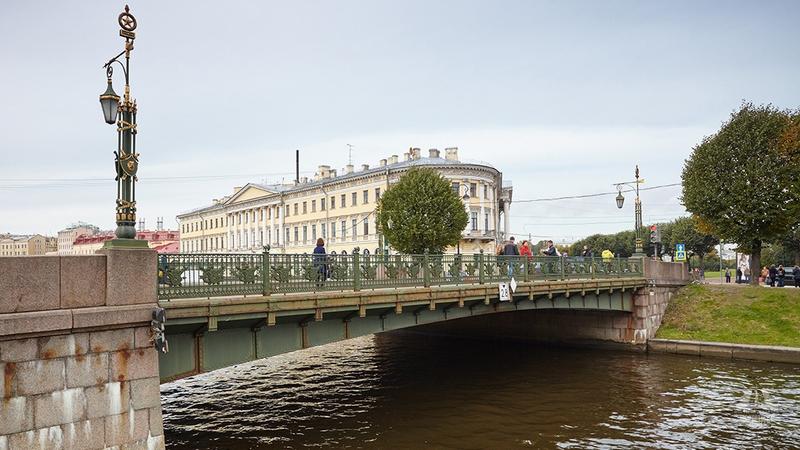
288, 188
160, 235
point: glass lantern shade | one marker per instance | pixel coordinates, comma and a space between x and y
109, 101
620, 200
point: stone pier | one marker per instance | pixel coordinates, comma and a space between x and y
79, 368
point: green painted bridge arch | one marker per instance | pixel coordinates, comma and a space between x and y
209, 334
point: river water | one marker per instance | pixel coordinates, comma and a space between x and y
402, 390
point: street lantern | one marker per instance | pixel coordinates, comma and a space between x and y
620, 199
109, 101
123, 113
637, 210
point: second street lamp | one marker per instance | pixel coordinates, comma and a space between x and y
639, 249
126, 159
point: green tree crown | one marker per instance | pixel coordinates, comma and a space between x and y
421, 212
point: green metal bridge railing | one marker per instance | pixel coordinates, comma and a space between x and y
220, 275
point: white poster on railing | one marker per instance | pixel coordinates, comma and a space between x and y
513, 285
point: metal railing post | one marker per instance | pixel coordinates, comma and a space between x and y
619, 267
481, 273
356, 272
265, 272
426, 270
561, 262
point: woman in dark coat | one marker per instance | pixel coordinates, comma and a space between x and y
320, 262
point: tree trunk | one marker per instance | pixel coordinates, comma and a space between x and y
755, 262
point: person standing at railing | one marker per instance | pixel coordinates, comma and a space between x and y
321, 262
510, 250
527, 255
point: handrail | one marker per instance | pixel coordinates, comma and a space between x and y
227, 274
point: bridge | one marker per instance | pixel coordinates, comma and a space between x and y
76, 339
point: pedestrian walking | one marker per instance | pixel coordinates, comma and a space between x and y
738, 275
727, 275
773, 274
781, 275
796, 275
321, 262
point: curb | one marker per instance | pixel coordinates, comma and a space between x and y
771, 353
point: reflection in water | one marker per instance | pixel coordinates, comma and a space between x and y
402, 390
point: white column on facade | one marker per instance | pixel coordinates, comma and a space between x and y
280, 225
507, 219
272, 224
228, 232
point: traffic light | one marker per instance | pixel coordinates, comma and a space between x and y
655, 234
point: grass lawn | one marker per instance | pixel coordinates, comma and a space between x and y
735, 314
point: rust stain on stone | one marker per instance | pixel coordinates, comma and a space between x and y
79, 350
98, 349
8, 377
125, 355
49, 354
80, 358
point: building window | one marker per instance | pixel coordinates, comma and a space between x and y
473, 190
286, 241
286, 213
366, 197
355, 230
253, 238
333, 229
324, 228
486, 191
333, 202
377, 194
354, 199
474, 221
246, 217
296, 234
313, 233
245, 239
254, 215
343, 203
454, 186
322, 204
305, 234
261, 237
295, 209
269, 237
486, 222
261, 215
304, 207
344, 230
366, 226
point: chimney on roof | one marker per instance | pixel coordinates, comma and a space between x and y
364, 167
382, 163
393, 159
333, 173
304, 180
348, 168
416, 153
433, 153
406, 156
451, 153
323, 172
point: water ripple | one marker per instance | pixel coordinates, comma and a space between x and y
401, 390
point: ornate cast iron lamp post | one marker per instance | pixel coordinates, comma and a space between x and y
126, 159
638, 209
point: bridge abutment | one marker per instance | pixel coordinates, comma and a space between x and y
79, 368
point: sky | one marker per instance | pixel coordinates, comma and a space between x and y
565, 98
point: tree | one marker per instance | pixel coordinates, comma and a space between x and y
421, 212
743, 183
684, 230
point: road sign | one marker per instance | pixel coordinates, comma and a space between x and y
680, 252
505, 295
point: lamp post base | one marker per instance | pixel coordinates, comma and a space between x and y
131, 244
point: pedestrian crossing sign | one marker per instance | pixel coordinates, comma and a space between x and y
680, 252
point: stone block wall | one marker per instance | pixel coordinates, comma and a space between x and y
79, 370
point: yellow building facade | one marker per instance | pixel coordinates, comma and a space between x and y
340, 209
35, 245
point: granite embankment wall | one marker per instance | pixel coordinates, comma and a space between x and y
79, 370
